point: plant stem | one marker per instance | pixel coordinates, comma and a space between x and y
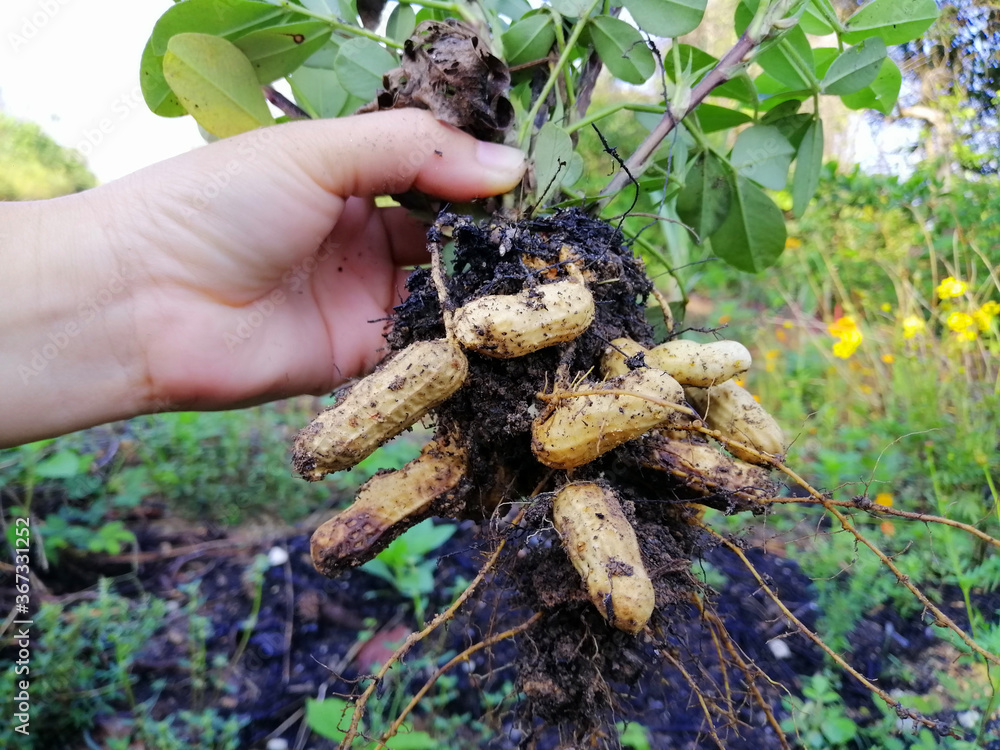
458, 9
528, 125
610, 110
642, 156
339, 25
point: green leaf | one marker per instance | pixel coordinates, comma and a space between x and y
553, 157
783, 59
895, 21
712, 118
784, 63
808, 164
318, 92
763, 154
528, 39
753, 235
62, 465
324, 717
707, 196
814, 22
160, 99
622, 49
227, 18
793, 127
855, 68
572, 8
277, 51
402, 21
413, 741
216, 84
360, 66
839, 729
785, 109
325, 56
882, 93
667, 18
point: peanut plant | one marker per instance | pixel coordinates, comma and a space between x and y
567, 408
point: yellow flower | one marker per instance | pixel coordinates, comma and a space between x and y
884, 498
951, 287
769, 359
913, 325
793, 243
984, 315
886, 307
962, 324
850, 337
888, 359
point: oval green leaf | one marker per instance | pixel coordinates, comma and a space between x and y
159, 97
216, 84
529, 39
667, 18
762, 154
808, 164
318, 91
276, 51
325, 56
230, 19
713, 118
882, 93
360, 66
572, 8
553, 160
402, 21
855, 68
622, 49
753, 235
895, 21
813, 21
707, 196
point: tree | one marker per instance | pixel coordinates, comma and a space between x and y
956, 67
35, 166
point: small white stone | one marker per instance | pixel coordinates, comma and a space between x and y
969, 719
906, 726
277, 556
779, 648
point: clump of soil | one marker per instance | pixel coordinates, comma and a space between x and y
572, 663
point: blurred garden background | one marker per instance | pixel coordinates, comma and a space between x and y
876, 343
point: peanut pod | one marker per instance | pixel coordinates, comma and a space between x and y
512, 325
387, 505
379, 407
689, 362
581, 428
735, 413
707, 471
602, 546
613, 360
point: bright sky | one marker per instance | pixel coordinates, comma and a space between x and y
72, 66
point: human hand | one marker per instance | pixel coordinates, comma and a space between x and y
251, 269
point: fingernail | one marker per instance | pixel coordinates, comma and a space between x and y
505, 160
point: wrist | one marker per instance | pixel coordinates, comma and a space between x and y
70, 354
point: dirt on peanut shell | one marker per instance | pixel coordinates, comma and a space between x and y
573, 668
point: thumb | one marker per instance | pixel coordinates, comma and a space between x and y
391, 152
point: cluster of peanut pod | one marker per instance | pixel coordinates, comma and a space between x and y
636, 394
